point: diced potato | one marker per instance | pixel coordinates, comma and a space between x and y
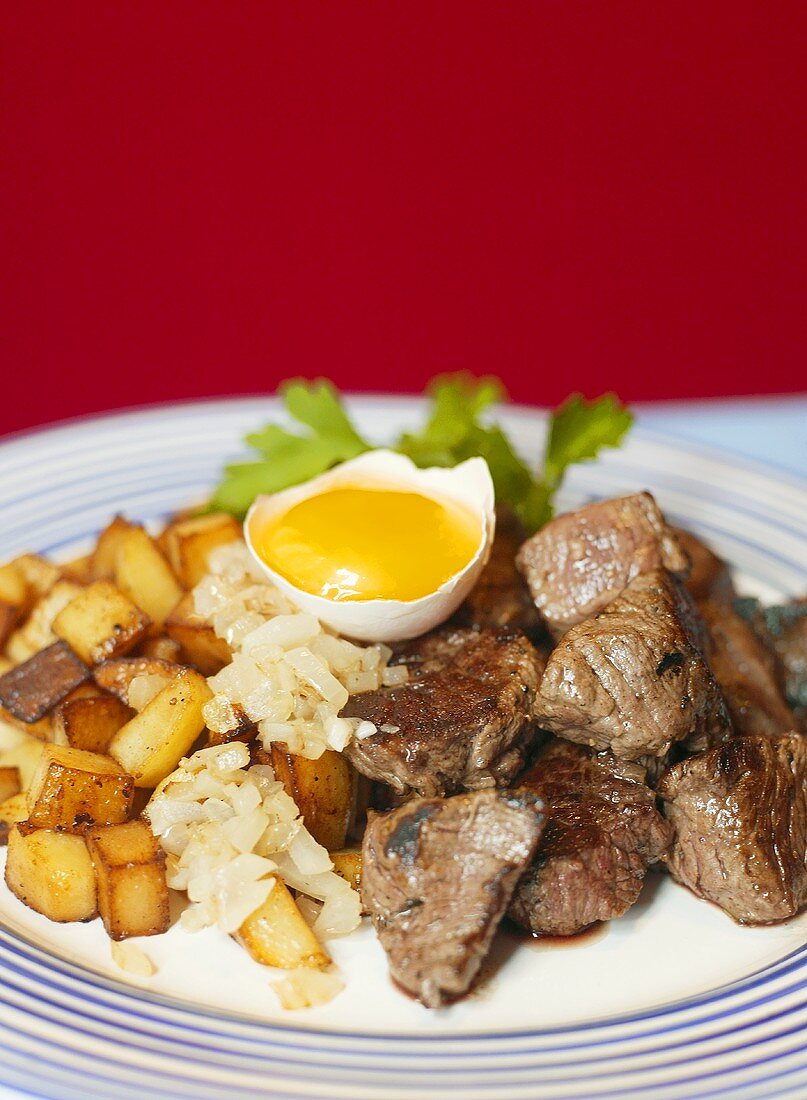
162, 648
347, 865
73, 788
9, 617
102, 566
13, 585
90, 723
36, 632
10, 781
24, 756
101, 622
30, 690
200, 645
117, 676
324, 791
51, 872
189, 543
143, 574
153, 742
79, 569
39, 574
276, 934
42, 730
14, 809
132, 887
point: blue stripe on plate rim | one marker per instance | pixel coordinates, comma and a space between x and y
764, 1010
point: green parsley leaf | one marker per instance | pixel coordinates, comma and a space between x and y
288, 458
457, 427
578, 431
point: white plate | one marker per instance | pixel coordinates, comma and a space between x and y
673, 1000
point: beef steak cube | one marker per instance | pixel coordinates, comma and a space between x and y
437, 876
500, 597
633, 679
740, 819
784, 629
747, 673
581, 561
709, 576
602, 832
463, 720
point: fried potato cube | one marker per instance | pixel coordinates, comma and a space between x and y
102, 564
25, 757
189, 543
162, 648
72, 789
51, 872
14, 809
10, 781
132, 887
324, 791
30, 690
276, 934
200, 644
90, 723
78, 569
13, 599
116, 676
143, 574
36, 632
153, 742
101, 623
347, 864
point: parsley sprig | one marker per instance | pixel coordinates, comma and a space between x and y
458, 426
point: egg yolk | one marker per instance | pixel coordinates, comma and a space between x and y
366, 544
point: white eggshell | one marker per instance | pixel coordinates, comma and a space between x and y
468, 484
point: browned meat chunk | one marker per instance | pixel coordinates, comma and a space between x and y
783, 628
437, 876
580, 562
500, 596
740, 819
709, 577
464, 719
36, 686
746, 672
633, 679
602, 833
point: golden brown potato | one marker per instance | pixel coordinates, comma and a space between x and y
277, 934
153, 742
51, 872
72, 789
200, 646
162, 648
14, 809
24, 756
36, 631
132, 888
347, 865
102, 564
143, 574
78, 570
31, 690
116, 676
101, 623
324, 791
90, 723
189, 542
10, 781
39, 574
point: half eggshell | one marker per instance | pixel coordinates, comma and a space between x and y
469, 484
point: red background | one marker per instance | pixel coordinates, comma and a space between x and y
203, 198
